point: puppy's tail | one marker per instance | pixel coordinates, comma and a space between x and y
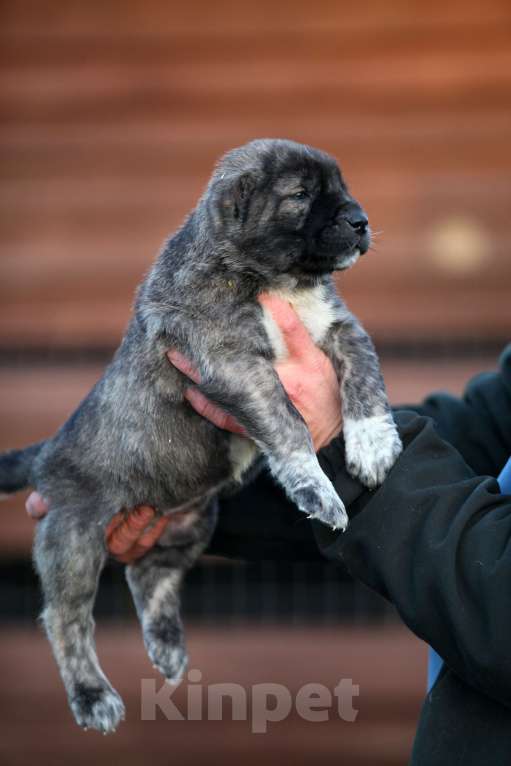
16, 467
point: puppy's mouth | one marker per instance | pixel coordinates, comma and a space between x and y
334, 248
325, 263
338, 253
347, 261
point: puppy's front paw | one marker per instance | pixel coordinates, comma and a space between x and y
322, 502
98, 708
372, 447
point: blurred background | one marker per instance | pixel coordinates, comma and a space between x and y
112, 114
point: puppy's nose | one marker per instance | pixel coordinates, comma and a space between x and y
359, 222
355, 216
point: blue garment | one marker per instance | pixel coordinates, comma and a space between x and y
435, 662
505, 479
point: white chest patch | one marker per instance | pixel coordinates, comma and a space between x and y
317, 314
314, 310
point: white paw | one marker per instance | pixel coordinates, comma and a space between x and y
169, 660
97, 708
178, 670
308, 487
321, 501
372, 447
175, 667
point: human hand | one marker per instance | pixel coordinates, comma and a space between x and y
128, 536
306, 374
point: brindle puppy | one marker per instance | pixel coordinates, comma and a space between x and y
276, 216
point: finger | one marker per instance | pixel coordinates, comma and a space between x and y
132, 555
36, 506
145, 543
298, 341
211, 412
114, 522
148, 539
151, 535
183, 365
129, 530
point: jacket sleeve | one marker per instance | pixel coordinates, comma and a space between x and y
435, 540
479, 423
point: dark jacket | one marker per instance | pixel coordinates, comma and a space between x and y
435, 540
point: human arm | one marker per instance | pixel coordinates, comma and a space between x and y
435, 540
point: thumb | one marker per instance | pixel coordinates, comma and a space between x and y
298, 341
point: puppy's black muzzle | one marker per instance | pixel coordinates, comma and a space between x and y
356, 218
338, 234
346, 231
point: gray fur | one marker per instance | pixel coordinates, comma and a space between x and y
16, 467
276, 216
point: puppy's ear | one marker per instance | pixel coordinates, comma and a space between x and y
243, 188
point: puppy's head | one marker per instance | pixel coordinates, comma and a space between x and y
287, 209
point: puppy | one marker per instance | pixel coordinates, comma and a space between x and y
276, 216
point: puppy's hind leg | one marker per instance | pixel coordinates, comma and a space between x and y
155, 582
69, 554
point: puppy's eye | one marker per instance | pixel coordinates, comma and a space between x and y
300, 195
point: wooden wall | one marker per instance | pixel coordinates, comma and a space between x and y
113, 113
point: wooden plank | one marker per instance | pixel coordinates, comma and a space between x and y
28, 49
476, 80
184, 153
338, 60
148, 19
